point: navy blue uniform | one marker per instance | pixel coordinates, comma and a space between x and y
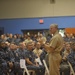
39, 70
3, 62
14, 58
71, 59
21, 53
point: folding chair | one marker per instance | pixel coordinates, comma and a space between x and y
47, 70
73, 73
22, 65
29, 71
39, 61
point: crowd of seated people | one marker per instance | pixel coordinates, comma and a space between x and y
69, 37
16, 47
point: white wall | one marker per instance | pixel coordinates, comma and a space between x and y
36, 8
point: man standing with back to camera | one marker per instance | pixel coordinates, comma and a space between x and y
54, 48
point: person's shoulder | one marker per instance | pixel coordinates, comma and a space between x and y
34, 50
40, 50
27, 51
54, 37
72, 53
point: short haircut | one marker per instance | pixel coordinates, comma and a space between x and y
54, 25
28, 43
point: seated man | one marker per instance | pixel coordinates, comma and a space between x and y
3, 61
38, 51
64, 65
14, 59
31, 62
71, 56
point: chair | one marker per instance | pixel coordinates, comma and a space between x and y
72, 71
47, 70
23, 66
44, 62
29, 71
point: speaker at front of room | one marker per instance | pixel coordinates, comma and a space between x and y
52, 1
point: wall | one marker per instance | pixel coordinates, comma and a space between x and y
25, 14
70, 30
16, 25
36, 8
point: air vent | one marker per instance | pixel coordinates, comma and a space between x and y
52, 1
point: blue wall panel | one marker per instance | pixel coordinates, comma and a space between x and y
16, 25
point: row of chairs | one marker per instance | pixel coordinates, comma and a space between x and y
26, 71
22, 65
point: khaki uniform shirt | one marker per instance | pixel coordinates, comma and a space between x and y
66, 53
27, 40
37, 52
54, 57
